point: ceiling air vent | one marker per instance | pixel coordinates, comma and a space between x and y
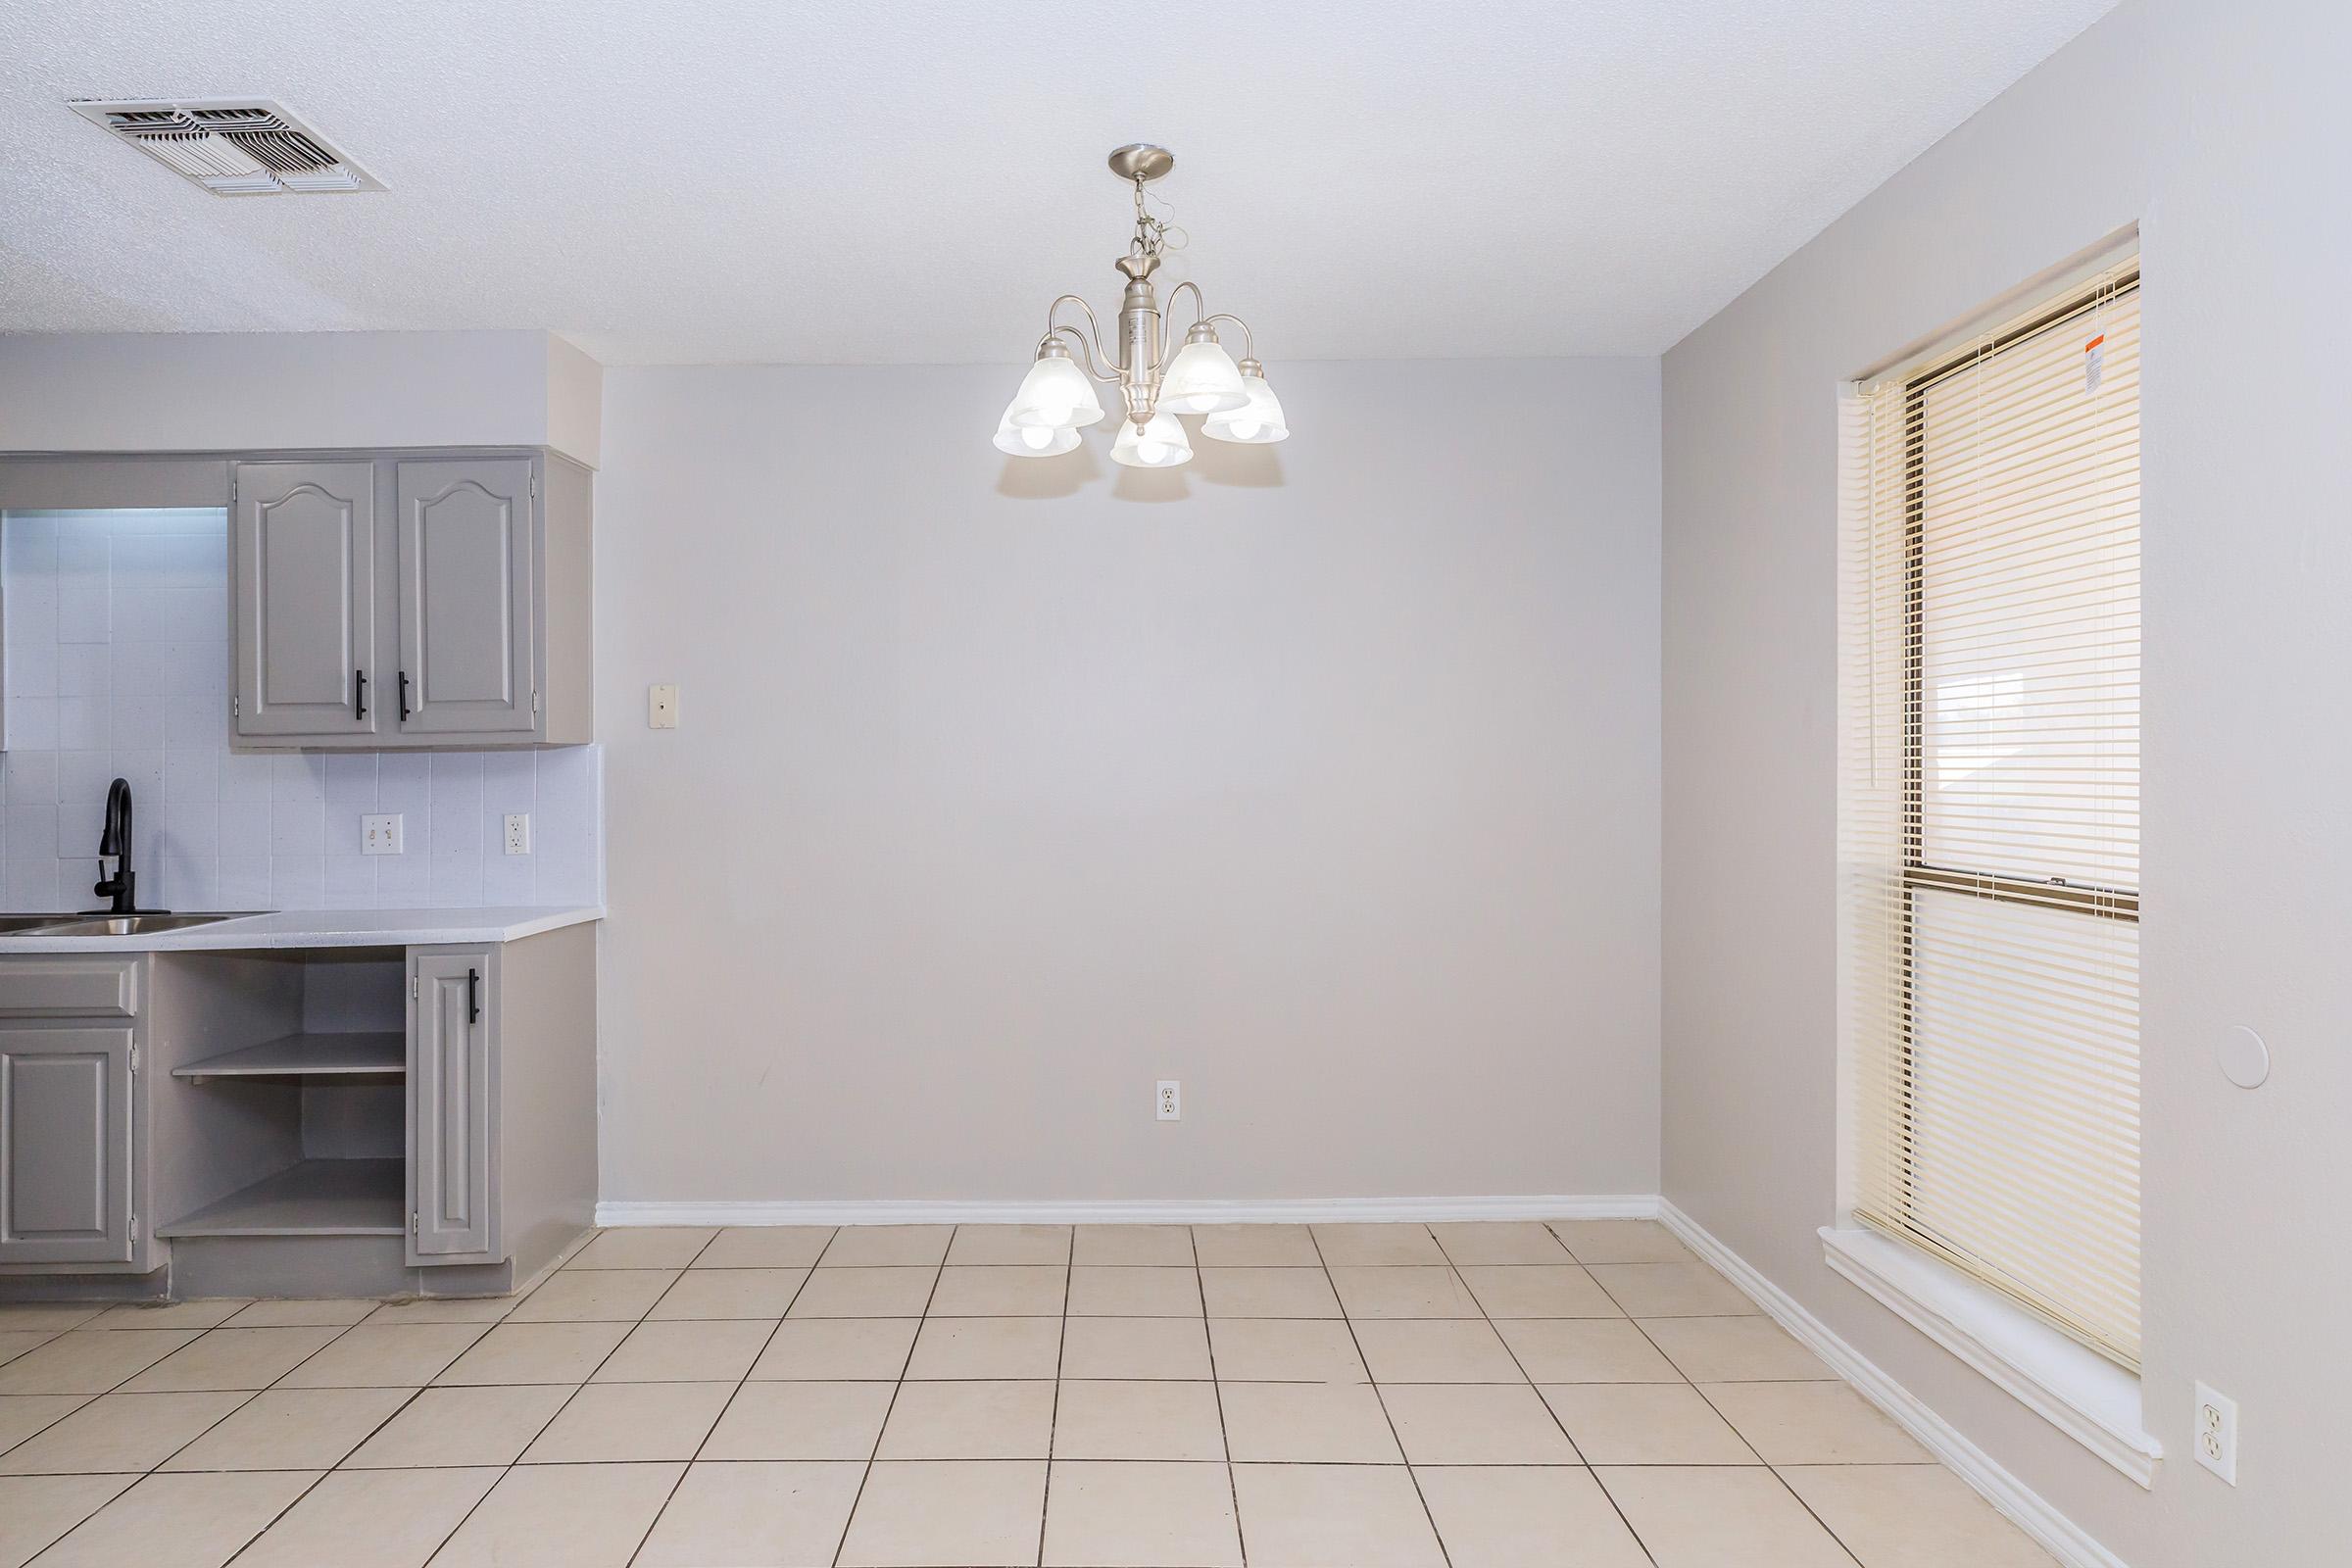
232, 146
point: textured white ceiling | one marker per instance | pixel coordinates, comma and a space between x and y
912, 180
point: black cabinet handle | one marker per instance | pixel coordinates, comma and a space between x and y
473, 996
403, 696
359, 696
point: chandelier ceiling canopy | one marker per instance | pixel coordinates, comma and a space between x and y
1056, 397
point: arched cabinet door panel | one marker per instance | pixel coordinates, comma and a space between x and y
466, 615
305, 599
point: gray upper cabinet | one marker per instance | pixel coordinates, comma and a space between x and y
452, 1115
66, 1145
467, 590
305, 599
464, 617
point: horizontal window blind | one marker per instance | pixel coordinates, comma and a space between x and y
1989, 809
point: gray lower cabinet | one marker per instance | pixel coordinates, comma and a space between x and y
453, 1115
305, 599
65, 1143
347, 1121
411, 598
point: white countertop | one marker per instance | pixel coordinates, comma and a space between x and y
329, 928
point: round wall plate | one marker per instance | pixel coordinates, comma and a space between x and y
1141, 159
2244, 1060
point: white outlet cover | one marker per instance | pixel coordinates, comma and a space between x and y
518, 833
380, 835
1168, 1102
2214, 1437
661, 708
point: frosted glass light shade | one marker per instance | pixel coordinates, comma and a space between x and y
1055, 393
1035, 440
1159, 444
1256, 422
1202, 379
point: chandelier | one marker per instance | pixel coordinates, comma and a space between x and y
1057, 397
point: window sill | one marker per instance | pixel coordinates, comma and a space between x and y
2074, 1387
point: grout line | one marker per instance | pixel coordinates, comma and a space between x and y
1760, 1459
1537, 1389
905, 1367
515, 1464
1233, 1485
1045, 1501
1403, 1457
726, 1404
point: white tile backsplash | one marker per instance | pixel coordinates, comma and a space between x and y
116, 666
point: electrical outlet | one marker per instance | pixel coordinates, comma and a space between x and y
518, 833
379, 835
661, 708
2216, 1435
1170, 1101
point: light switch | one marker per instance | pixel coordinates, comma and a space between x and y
661, 708
379, 835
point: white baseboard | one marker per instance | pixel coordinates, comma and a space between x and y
1127, 1211
2057, 1535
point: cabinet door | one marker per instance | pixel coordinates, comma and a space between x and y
305, 559
65, 1146
451, 1202
466, 596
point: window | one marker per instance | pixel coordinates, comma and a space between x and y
1990, 809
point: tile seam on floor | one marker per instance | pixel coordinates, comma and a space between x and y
1534, 1387
1445, 1555
1045, 1501
850, 1520
1216, 1385
653, 1522
251, 1395
515, 1464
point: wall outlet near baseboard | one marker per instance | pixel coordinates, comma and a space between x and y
1168, 1103
2216, 1433
379, 835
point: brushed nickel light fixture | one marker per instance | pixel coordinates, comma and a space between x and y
1058, 398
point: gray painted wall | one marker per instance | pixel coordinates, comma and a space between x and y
1322, 777
2217, 127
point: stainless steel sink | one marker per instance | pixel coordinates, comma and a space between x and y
121, 925
17, 924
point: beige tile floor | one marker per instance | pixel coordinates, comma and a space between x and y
1580, 1394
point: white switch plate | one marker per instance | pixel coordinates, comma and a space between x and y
379, 835
2216, 1435
1169, 1103
661, 708
518, 833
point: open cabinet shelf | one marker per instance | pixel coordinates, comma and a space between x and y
314, 1198
307, 1055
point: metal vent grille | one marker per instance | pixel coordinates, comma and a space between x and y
232, 146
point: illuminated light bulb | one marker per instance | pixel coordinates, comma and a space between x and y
1202, 379
1256, 422
1160, 443
1034, 441
1056, 394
